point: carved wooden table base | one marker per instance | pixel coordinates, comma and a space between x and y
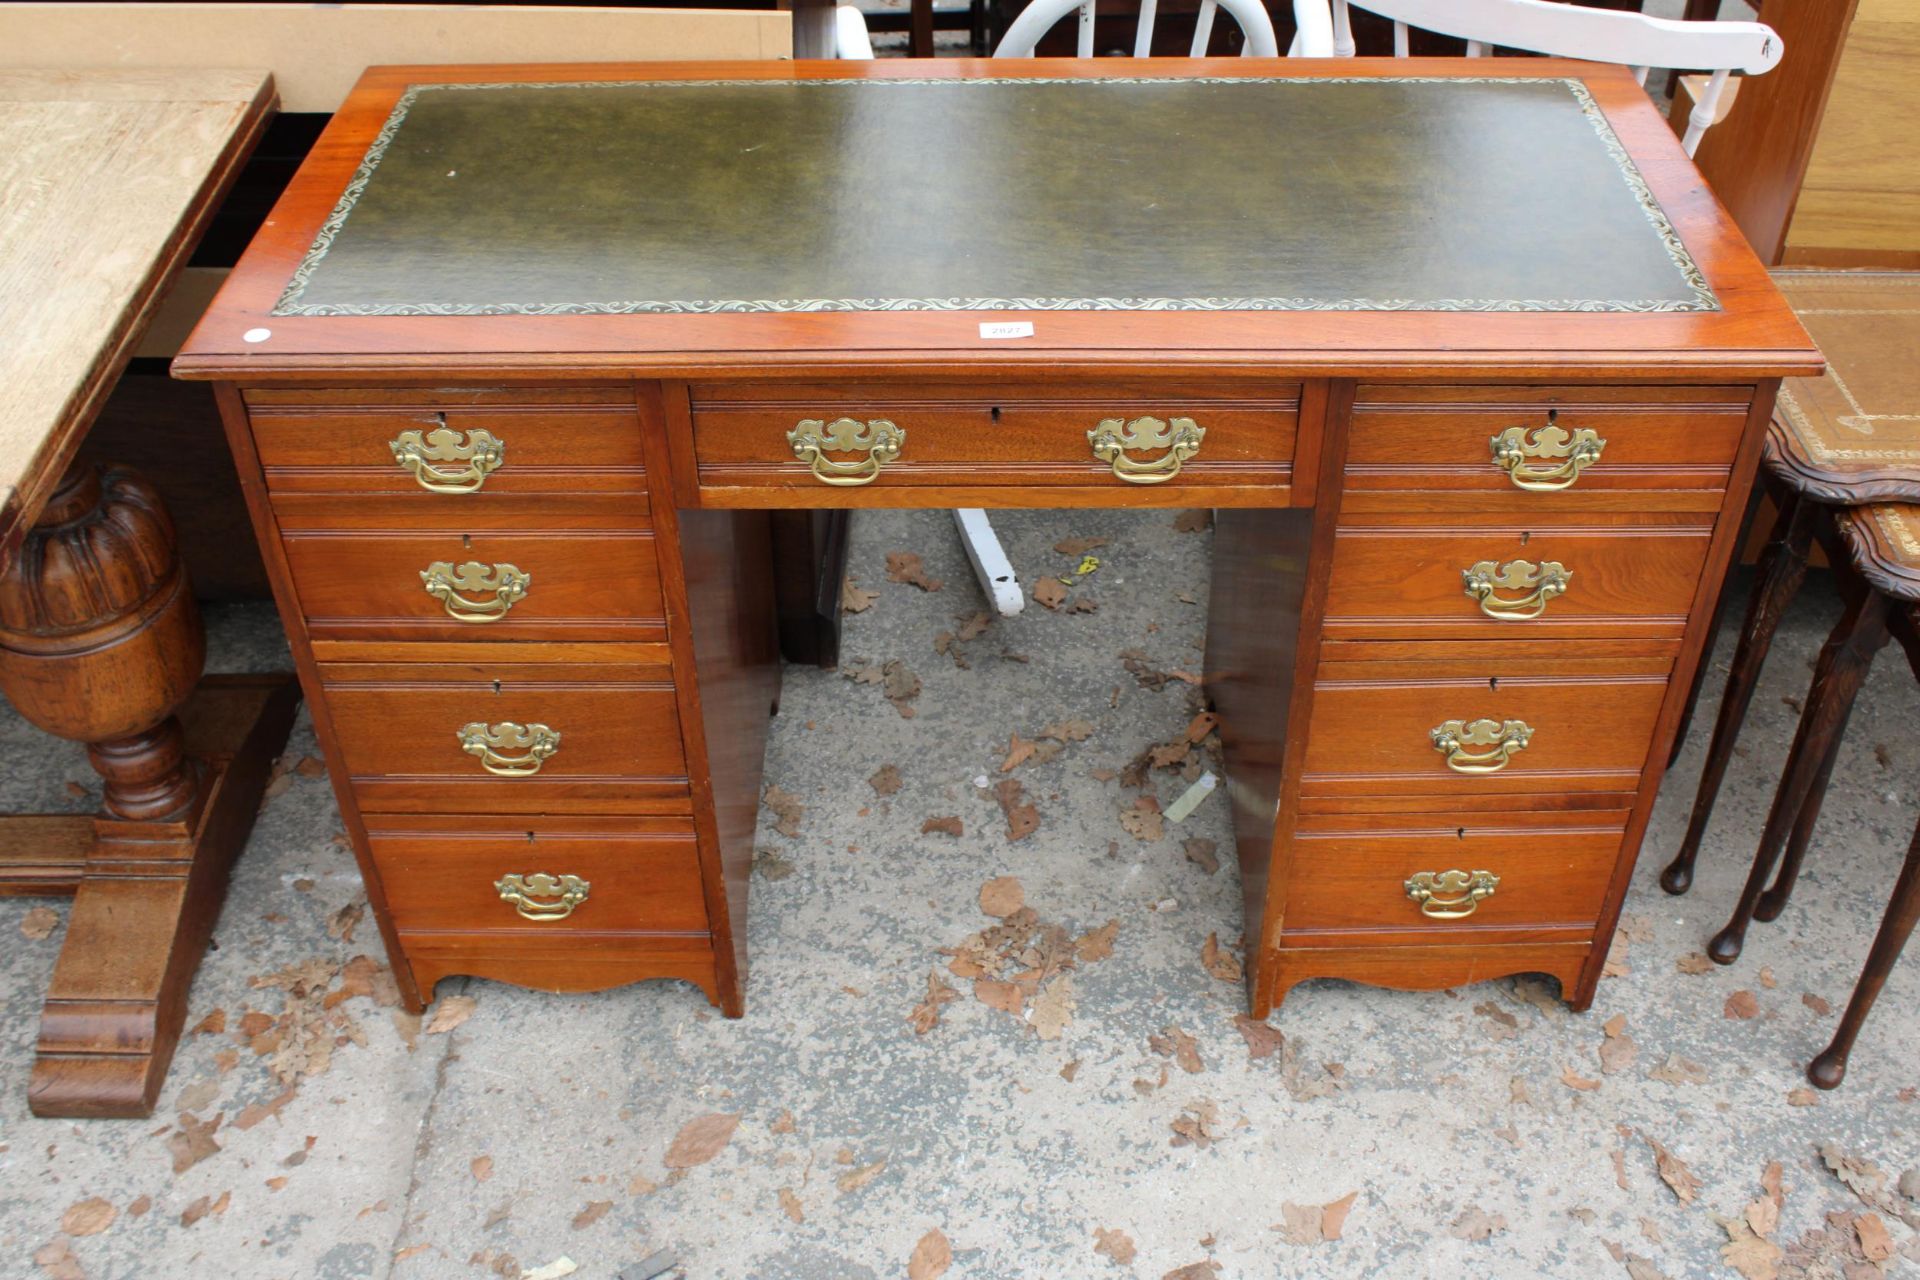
100, 643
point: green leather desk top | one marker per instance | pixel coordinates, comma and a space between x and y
1455, 194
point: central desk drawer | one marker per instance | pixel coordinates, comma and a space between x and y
539, 875
1416, 578
389, 581
508, 737
1477, 725
1150, 443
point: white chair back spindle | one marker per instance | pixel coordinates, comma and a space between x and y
1596, 35
1315, 38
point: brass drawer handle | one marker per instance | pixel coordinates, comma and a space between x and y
479, 452
1112, 438
1481, 746
1547, 458
535, 741
1451, 895
879, 440
1542, 582
541, 896
499, 586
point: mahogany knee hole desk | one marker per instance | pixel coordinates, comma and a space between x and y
1472, 368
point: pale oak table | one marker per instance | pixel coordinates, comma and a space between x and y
107, 180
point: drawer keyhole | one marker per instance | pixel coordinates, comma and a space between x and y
994, 413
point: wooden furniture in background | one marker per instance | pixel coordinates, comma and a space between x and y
1468, 724
1837, 446
1817, 163
100, 641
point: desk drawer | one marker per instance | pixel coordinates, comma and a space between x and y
621, 875
1176, 440
1544, 443
1529, 726
448, 446
508, 737
387, 581
1542, 872
1420, 578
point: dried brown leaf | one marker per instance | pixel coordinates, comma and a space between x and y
900, 687
1053, 1008
1475, 1223
885, 780
482, 1167
1182, 1048
595, 1210
931, 1257
1193, 521
1142, 819
1078, 546
39, 923
855, 598
786, 809
1674, 1172
1023, 818
449, 1013
193, 1142
88, 1217
926, 1015
1742, 1004
790, 1205
949, 825
1018, 752
1574, 1080
855, 1179
1002, 896
1049, 592
1694, 963
1679, 1070
1001, 995
1202, 853
1096, 944
1262, 1040
701, 1139
1115, 1243
1220, 962
905, 566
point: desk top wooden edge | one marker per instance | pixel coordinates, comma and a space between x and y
1752, 334
38, 452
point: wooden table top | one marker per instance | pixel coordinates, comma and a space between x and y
106, 179
1322, 214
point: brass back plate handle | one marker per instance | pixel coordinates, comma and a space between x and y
541, 896
1547, 458
1112, 438
533, 745
1540, 582
475, 592
423, 455
879, 440
1451, 895
1480, 746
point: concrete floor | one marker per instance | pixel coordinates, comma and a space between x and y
1481, 1129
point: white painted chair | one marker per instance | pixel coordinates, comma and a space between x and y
1597, 35
1315, 38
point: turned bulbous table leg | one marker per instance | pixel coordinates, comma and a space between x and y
100, 641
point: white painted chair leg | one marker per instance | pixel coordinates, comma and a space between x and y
990, 561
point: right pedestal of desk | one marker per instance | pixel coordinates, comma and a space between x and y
1444, 756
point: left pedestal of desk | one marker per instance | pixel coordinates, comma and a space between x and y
100, 643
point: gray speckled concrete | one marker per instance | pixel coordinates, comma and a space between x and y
1430, 1106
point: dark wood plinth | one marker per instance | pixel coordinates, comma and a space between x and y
146, 895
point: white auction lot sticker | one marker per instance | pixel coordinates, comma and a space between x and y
1007, 329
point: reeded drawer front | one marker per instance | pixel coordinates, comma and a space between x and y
829, 439
1445, 728
447, 446
507, 738
1544, 440
490, 584
540, 875
1446, 876
1497, 578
